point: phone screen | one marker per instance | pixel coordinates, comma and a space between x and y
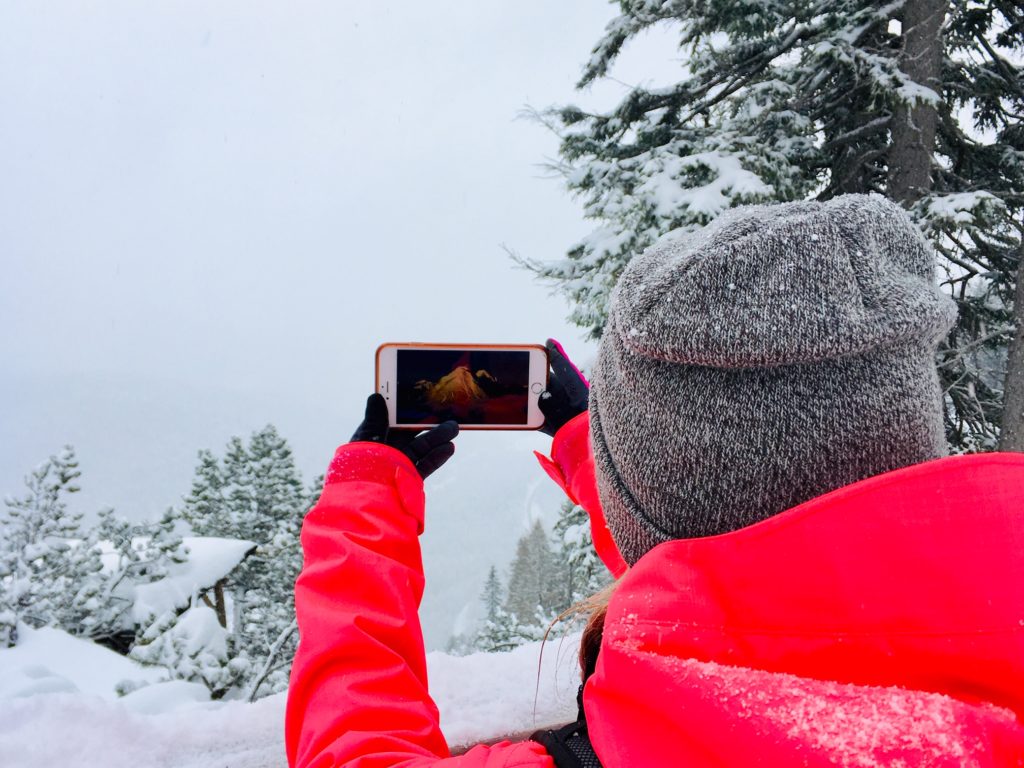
469, 386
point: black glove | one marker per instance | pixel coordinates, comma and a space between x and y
427, 450
568, 393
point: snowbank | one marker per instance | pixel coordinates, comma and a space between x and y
88, 732
486, 695
51, 661
70, 715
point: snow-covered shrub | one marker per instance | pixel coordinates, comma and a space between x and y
193, 646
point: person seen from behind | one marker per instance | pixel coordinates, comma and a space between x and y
804, 577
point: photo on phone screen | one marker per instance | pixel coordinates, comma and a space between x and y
469, 386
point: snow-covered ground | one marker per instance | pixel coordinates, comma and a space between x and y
59, 706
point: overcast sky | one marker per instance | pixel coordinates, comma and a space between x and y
211, 213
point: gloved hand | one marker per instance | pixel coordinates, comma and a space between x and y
427, 450
568, 392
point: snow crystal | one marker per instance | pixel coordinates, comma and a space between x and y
854, 725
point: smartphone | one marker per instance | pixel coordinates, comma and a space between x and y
481, 386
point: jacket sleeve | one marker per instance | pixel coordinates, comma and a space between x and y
358, 690
571, 465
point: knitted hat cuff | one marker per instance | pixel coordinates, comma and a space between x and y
634, 533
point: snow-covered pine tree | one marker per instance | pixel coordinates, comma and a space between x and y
268, 603
193, 646
492, 596
136, 553
237, 489
277, 491
497, 631
87, 609
204, 509
919, 100
536, 584
586, 575
269, 630
36, 533
256, 494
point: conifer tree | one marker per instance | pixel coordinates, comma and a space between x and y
918, 100
276, 489
491, 597
239, 506
193, 646
536, 585
279, 504
204, 509
137, 553
497, 631
37, 529
256, 494
586, 575
88, 608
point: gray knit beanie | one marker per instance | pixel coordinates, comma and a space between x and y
779, 353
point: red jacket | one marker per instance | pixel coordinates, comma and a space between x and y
880, 624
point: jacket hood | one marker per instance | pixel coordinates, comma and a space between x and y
882, 622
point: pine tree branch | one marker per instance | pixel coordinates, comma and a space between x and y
874, 126
972, 272
749, 69
125, 571
860, 162
1000, 64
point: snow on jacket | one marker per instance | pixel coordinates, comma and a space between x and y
880, 624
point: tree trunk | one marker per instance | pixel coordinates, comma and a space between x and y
913, 126
1011, 435
222, 613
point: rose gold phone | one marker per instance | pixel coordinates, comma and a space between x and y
481, 386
